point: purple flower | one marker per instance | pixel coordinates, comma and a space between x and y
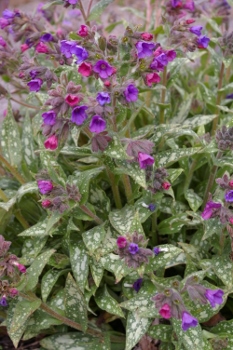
156, 250
137, 284
2, 42
188, 321
66, 47
33, 73
162, 58
103, 98
229, 196
80, 53
171, 55
229, 96
145, 49
210, 209
8, 14
133, 248
97, 124
45, 186
176, 3
131, 93
156, 65
196, 30
46, 37
49, 117
189, 5
145, 160
103, 69
151, 207
79, 115
203, 42
214, 296
4, 23
3, 301
72, 2
35, 84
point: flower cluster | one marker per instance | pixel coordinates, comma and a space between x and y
224, 138
171, 305
57, 198
157, 179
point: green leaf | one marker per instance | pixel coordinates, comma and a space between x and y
222, 266
101, 202
172, 224
10, 139
94, 237
29, 187
31, 248
166, 158
122, 219
193, 199
199, 120
167, 253
59, 261
97, 271
174, 173
38, 230
97, 10
114, 264
184, 109
28, 145
136, 327
108, 303
34, 271
161, 332
116, 150
48, 281
211, 227
192, 338
75, 305
133, 170
79, 263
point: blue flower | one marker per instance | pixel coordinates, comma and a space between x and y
79, 115
133, 248
103, 98
137, 284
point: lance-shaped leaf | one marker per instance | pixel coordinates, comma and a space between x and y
28, 145
131, 169
94, 237
193, 199
97, 271
75, 305
114, 264
97, 10
106, 302
31, 248
136, 327
142, 305
10, 139
79, 263
36, 268
166, 158
160, 331
38, 230
116, 150
222, 266
165, 258
48, 281
211, 227
121, 219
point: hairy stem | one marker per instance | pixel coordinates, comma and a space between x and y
115, 189
218, 100
163, 95
12, 170
61, 318
128, 189
211, 179
83, 13
89, 8
87, 211
25, 104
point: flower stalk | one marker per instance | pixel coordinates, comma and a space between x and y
218, 99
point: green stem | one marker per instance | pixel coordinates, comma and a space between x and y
211, 179
12, 170
25, 104
17, 213
218, 99
87, 211
83, 13
163, 95
154, 232
89, 8
190, 174
61, 318
115, 189
128, 189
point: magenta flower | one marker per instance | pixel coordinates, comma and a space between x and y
121, 242
49, 117
144, 49
171, 55
4, 23
131, 93
137, 284
210, 209
103, 68
152, 78
215, 297
203, 42
42, 48
229, 196
13, 292
97, 124
176, 3
83, 31
166, 185
2, 42
188, 321
46, 203
21, 268
79, 115
45, 186
35, 84
147, 36
165, 311
189, 5
85, 69
72, 100
51, 143
145, 160
196, 30
133, 248
103, 98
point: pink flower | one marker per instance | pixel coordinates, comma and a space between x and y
121, 242
83, 31
72, 100
152, 78
24, 47
147, 36
166, 185
231, 220
13, 292
107, 83
230, 183
46, 203
51, 142
145, 160
165, 311
42, 48
85, 69
190, 21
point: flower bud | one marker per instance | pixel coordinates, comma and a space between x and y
51, 143
147, 36
46, 203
